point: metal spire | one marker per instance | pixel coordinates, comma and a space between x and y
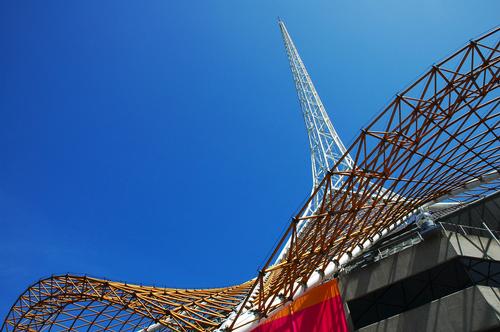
324, 142
326, 146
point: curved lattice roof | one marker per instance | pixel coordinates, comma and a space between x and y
81, 303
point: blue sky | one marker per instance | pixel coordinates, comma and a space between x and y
161, 142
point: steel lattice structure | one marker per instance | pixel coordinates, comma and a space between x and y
324, 142
76, 303
436, 140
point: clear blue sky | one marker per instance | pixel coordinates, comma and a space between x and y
161, 142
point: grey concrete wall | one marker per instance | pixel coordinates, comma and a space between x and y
418, 258
487, 210
476, 308
435, 250
474, 246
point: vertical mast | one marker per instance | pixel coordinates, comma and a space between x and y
326, 146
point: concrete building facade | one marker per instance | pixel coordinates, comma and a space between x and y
440, 278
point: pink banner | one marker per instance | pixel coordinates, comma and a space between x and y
319, 309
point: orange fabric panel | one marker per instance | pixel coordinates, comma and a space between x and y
318, 310
311, 297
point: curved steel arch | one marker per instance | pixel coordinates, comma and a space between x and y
68, 302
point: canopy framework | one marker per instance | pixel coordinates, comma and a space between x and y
436, 140
76, 303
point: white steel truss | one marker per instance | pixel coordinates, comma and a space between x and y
326, 145
324, 142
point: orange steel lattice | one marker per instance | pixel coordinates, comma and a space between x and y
76, 303
435, 140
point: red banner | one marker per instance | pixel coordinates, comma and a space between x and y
319, 309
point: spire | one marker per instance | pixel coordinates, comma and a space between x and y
326, 146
